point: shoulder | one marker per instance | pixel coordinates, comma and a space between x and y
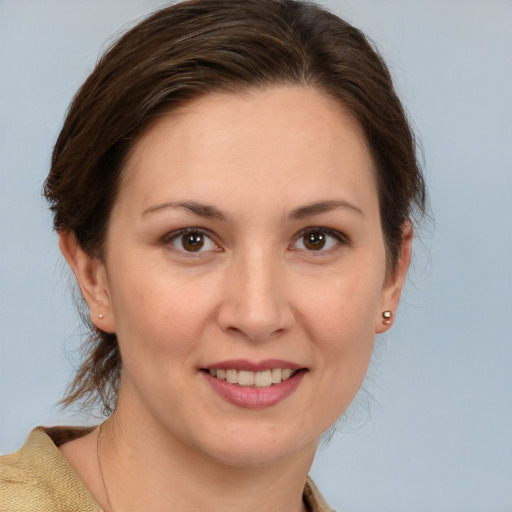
37, 477
313, 499
23, 483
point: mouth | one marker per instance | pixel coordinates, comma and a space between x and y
247, 378
254, 385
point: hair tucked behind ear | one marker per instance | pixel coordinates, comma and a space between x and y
97, 379
194, 48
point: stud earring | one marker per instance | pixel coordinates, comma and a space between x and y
100, 316
386, 317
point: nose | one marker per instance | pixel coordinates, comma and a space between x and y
254, 302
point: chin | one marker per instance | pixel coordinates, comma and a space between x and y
260, 446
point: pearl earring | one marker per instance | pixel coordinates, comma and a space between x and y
386, 317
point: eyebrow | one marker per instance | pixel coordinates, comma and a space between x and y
203, 210
322, 207
208, 211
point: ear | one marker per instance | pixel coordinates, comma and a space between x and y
392, 289
91, 274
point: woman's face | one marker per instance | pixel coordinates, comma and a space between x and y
245, 240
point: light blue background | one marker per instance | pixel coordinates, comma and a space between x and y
437, 435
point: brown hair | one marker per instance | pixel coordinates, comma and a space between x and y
194, 48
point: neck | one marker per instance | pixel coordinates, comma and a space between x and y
155, 472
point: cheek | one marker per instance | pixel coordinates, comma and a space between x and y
158, 317
341, 321
346, 336
342, 306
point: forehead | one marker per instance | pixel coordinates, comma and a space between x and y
296, 142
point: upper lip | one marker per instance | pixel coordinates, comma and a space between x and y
253, 366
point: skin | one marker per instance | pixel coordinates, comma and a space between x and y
255, 291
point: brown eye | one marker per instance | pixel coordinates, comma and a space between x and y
314, 240
320, 240
192, 242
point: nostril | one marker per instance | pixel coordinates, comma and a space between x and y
255, 325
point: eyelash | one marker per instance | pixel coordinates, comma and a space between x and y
340, 238
175, 236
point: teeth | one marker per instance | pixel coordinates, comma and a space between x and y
245, 378
262, 379
276, 375
286, 374
232, 376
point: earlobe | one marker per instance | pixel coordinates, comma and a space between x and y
91, 276
392, 290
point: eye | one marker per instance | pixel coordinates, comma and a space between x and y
319, 240
191, 241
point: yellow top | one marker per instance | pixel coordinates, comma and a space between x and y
38, 478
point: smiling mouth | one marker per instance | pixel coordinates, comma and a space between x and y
245, 378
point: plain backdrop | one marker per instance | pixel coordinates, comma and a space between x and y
433, 431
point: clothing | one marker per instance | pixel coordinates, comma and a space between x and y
38, 477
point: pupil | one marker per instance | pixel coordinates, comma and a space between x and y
315, 240
193, 242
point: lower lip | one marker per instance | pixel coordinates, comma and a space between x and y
252, 397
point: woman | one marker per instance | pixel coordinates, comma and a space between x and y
232, 188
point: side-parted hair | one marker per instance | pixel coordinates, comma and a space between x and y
198, 47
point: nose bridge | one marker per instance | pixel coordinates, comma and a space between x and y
254, 302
